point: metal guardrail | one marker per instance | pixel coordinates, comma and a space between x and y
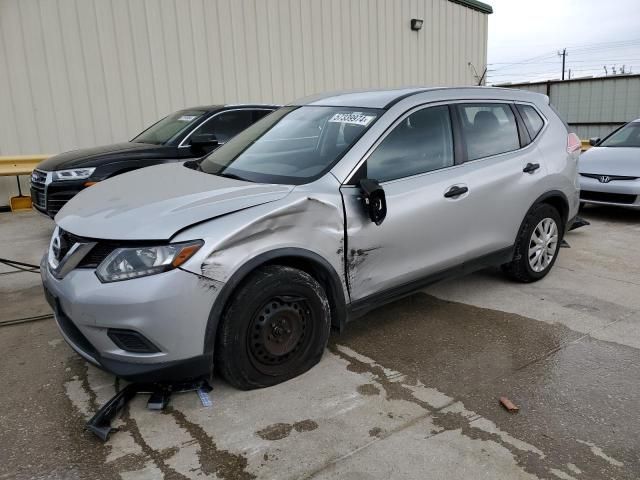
14, 165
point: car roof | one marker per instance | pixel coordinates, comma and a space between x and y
215, 108
385, 99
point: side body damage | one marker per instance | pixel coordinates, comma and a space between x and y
306, 229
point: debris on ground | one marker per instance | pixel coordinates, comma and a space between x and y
579, 222
160, 395
509, 405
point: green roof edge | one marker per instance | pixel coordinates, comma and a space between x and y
475, 5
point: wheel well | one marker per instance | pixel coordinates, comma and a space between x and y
560, 204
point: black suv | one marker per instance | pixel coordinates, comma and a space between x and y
189, 133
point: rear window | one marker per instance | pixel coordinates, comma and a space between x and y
532, 120
489, 129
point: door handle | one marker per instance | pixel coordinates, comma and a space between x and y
531, 167
455, 191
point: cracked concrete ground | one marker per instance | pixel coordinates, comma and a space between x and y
409, 391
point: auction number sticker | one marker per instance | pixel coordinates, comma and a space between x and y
186, 118
354, 118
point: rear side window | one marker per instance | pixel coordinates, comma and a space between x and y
532, 120
420, 143
489, 129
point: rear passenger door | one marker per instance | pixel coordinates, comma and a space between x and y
503, 172
422, 233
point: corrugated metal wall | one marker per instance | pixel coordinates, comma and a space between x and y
593, 106
88, 72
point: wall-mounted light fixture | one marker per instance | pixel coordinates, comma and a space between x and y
416, 24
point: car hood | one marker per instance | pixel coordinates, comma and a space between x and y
611, 161
95, 156
156, 202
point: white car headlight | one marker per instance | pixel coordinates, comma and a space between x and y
127, 263
73, 174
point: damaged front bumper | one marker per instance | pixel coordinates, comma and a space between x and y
149, 329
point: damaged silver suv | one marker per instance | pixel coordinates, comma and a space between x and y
312, 216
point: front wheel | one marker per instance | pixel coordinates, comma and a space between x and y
276, 327
537, 245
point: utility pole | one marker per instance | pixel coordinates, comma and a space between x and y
564, 58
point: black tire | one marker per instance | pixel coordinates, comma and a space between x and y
276, 328
520, 268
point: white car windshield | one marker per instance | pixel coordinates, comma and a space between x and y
627, 136
293, 145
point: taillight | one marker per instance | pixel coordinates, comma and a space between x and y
573, 143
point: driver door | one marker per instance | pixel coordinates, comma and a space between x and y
424, 232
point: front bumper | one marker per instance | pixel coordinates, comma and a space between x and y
619, 193
170, 309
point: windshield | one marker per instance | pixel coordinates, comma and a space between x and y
169, 127
293, 145
627, 136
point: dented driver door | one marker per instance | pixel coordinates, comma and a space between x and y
424, 231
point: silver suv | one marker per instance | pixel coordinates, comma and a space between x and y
311, 217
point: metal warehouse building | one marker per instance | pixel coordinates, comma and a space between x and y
592, 106
78, 73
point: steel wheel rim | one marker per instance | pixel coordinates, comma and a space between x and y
278, 331
543, 245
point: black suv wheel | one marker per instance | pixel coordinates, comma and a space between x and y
276, 327
537, 245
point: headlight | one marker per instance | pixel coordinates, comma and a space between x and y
73, 174
126, 263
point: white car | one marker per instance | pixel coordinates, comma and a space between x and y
610, 169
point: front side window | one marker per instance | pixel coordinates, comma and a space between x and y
293, 145
420, 143
532, 119
489, 129
169, 127
627, 136
226, 125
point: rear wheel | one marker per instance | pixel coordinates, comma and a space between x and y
276, 327
537, 245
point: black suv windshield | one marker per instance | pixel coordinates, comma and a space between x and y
627, 136
293, 145
169, 127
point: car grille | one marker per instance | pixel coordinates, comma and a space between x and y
623, 198
611, 177
38, 189
99, 252
56, 201
95, 256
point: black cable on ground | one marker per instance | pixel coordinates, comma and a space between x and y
16, 321
19, 266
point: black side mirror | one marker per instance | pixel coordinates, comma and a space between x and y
374, 200
594, 141
204, 140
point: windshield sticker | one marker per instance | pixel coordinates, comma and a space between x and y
354, 118
186, 118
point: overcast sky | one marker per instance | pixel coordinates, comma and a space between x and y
525, 36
